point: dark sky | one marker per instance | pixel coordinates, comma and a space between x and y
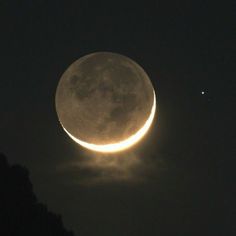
180, 180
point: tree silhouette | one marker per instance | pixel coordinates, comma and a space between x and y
20, 211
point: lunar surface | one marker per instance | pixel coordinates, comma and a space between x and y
105, 102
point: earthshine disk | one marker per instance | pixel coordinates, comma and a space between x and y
105, 102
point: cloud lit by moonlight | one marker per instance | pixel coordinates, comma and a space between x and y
93, 168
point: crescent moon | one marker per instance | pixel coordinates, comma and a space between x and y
122, 145
105, 102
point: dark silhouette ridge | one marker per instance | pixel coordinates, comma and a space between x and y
20, 211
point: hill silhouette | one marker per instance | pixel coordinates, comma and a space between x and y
20, 211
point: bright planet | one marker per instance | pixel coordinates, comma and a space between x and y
105, 102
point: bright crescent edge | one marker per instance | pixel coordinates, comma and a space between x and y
122, 145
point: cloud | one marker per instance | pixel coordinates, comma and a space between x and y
96, 168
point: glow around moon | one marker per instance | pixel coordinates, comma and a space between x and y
122, 145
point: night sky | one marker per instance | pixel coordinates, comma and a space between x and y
180, 180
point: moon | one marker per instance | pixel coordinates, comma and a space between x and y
105, 102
